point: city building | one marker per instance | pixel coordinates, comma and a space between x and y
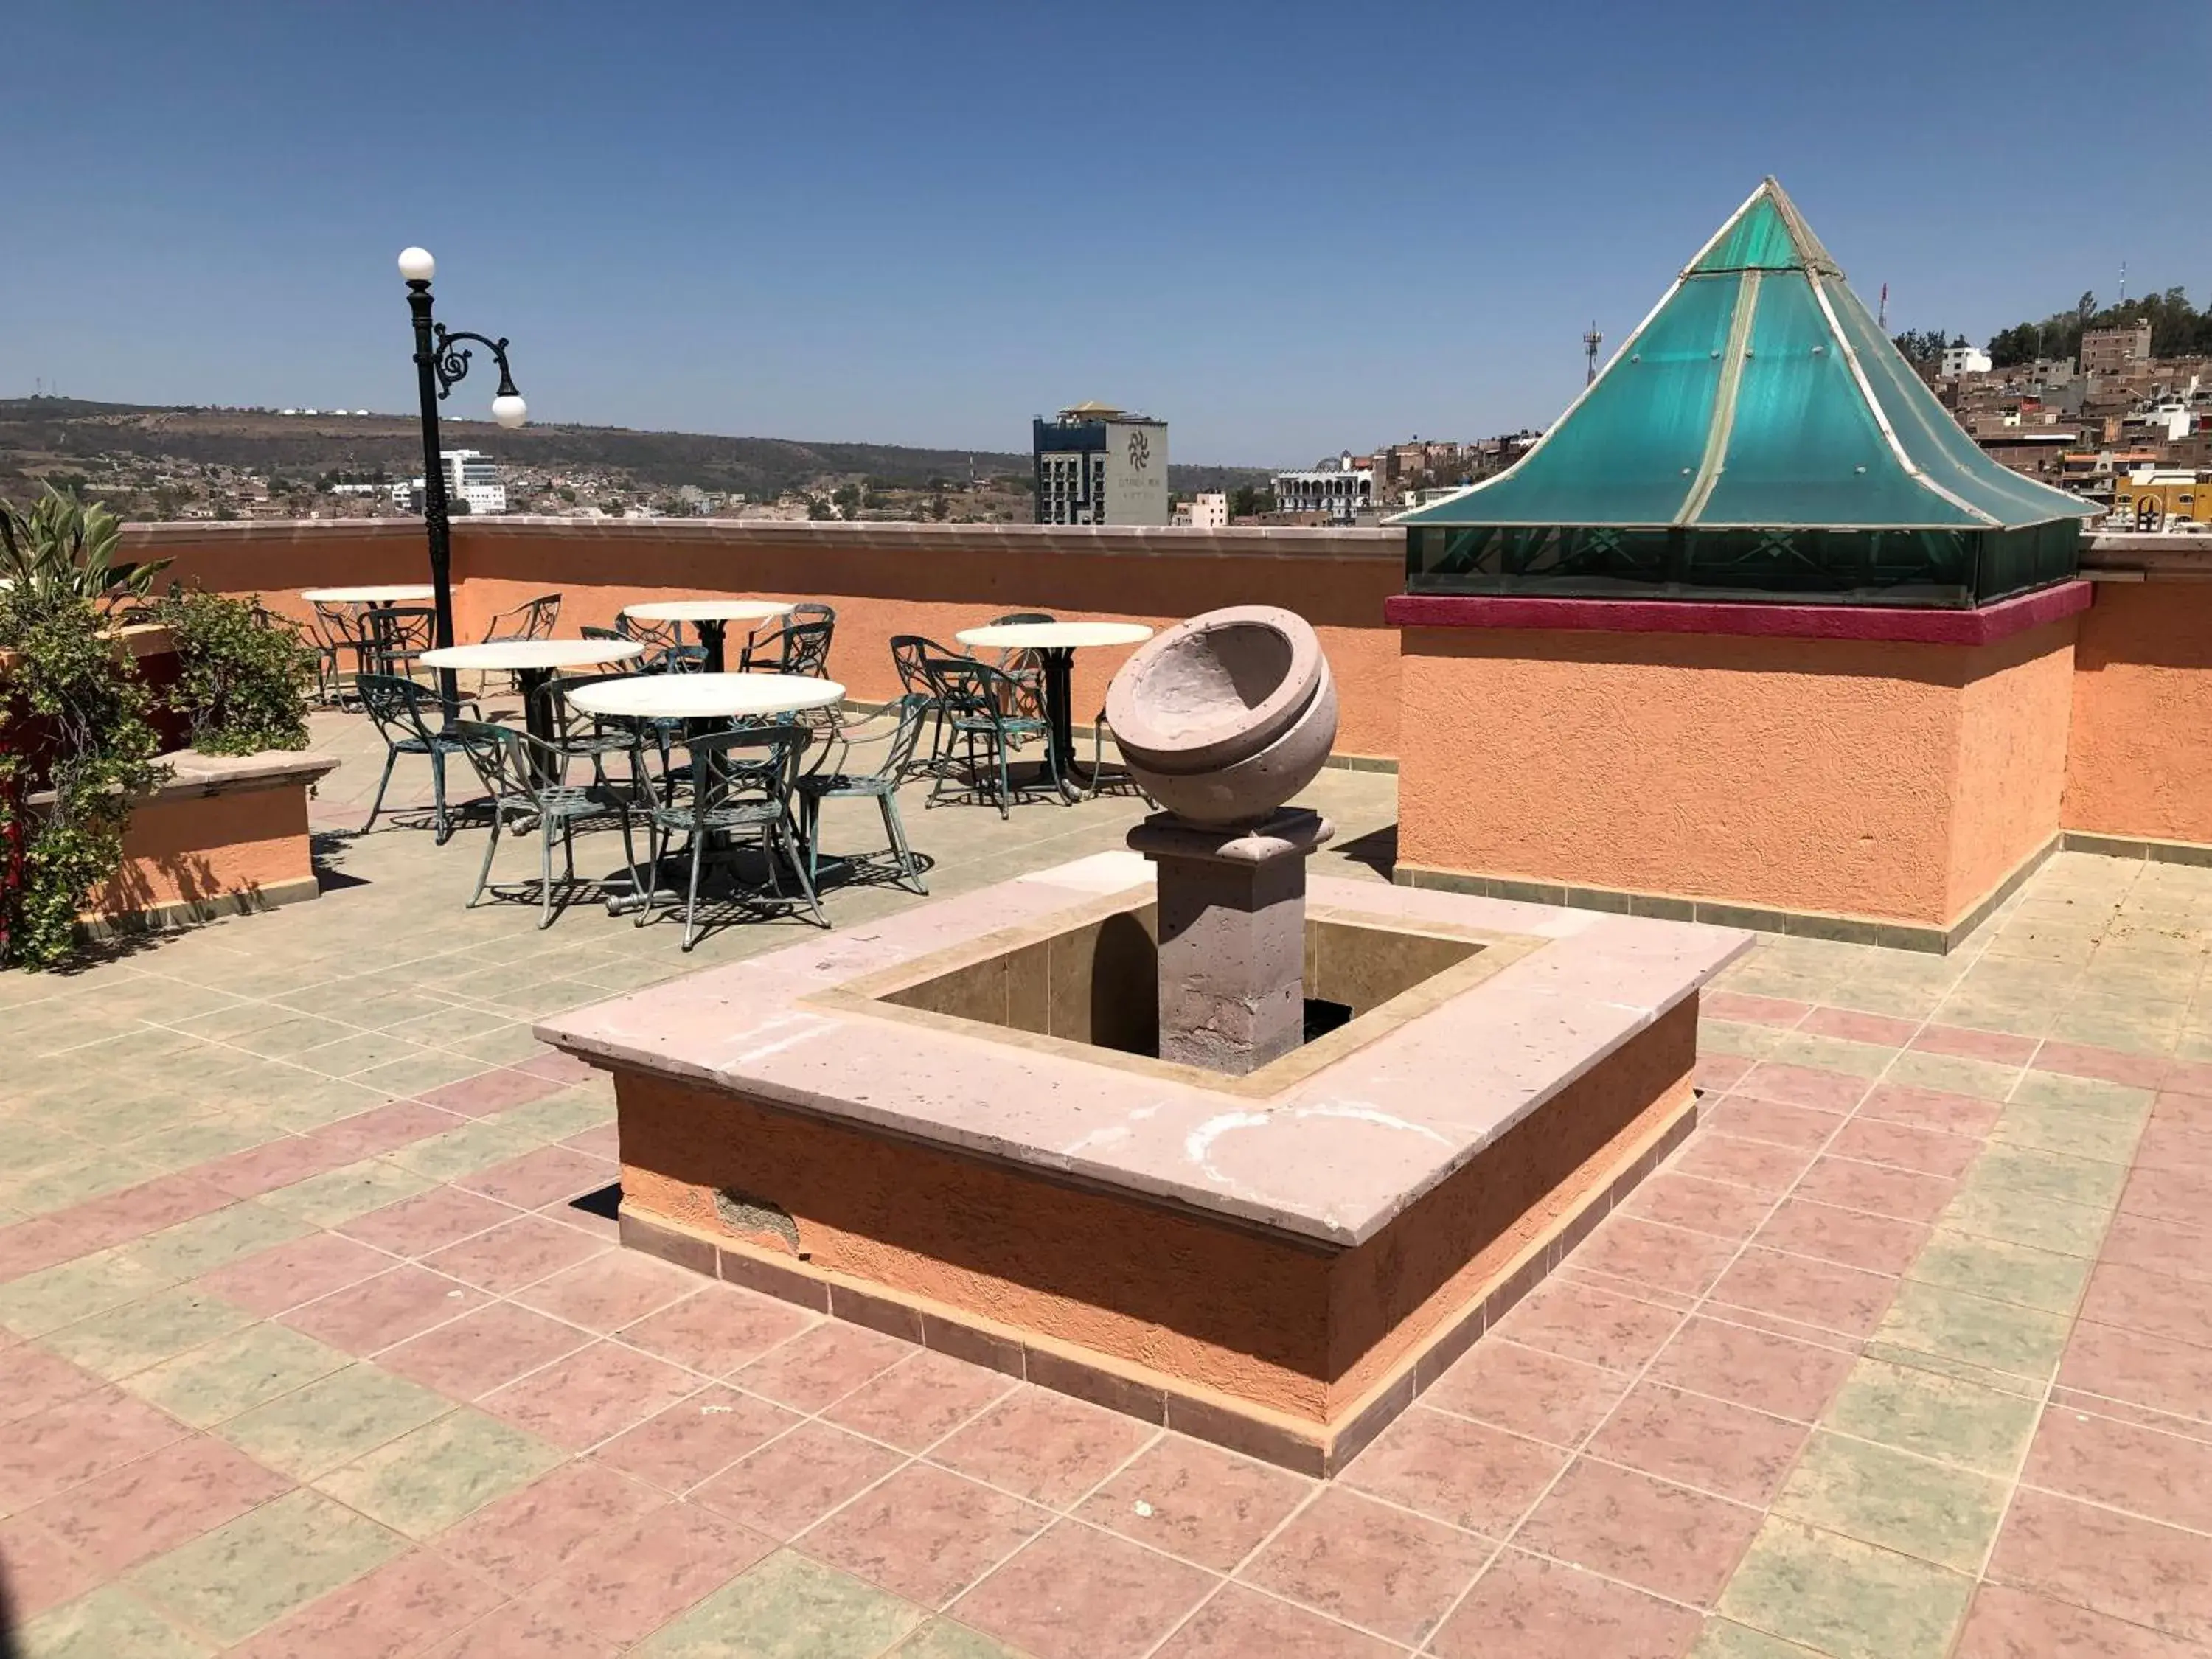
472, 484
1964, 359
2154, 498
2033, 451
1207, 510
1340, 491
1099, 465
2114, 350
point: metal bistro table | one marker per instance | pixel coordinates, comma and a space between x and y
710, 618
392, 594
375, 597
700, 698
1056, 644
533, 662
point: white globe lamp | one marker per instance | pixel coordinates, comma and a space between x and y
416, 264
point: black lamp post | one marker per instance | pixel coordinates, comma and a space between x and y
440, 362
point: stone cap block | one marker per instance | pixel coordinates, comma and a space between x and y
1330, 1156
193, 774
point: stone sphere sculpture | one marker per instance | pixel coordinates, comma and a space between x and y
1226, 717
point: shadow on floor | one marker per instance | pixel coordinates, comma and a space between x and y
605, 1202
1377, 849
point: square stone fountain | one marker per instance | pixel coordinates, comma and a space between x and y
1176, 1130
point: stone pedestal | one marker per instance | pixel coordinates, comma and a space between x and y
1232, 910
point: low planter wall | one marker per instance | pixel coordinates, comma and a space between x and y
224, 835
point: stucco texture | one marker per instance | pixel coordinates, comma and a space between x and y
1870, 779
1273, 1321
2140, 762
879, 592
199, 848
932, 580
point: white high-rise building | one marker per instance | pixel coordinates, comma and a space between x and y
472, 484
473, 476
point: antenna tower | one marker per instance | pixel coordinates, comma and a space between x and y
1591, 341
1881, 317
2123, 282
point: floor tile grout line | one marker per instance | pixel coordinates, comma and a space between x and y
1768, 1317
914, 1458
1643, 1370
1311, 1497
2018, 1481
1582, 1447
2013, 1483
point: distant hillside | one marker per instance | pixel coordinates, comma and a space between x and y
39, 436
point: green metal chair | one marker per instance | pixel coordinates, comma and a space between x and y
742, 786
979, 702
798, 646
527, 778
1021, 665
411, 720
580, 736
397, 635
911, 658
340, 631
664, 650
833, 779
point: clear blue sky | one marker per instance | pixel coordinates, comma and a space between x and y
1283, 226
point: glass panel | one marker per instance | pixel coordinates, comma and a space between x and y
1929, 567
1804, 448
1628, 452
1935, 442
1757, 240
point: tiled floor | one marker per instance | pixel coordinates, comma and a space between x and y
314, 1340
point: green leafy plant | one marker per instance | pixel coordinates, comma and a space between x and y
73, 712
61, 548
242, 675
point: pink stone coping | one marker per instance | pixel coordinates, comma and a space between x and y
1333, 1156
1985, 626
193, 775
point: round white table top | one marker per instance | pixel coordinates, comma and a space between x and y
706, 696
533, 654
1053, 636
397, 594
694, 611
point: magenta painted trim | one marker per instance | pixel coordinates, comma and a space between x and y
1986, 626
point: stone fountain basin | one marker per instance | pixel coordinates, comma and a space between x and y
867, 1124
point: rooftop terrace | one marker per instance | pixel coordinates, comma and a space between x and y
314, 1336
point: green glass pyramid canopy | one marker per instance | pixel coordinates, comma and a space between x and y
1757, 436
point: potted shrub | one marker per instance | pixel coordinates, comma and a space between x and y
75, 718
242, 676
98, 826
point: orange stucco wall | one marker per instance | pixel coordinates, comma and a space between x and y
2014, 715
276, 559
188, 847
1532, 755
1281, 1324
884, 580
1800, 775
2140, 761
